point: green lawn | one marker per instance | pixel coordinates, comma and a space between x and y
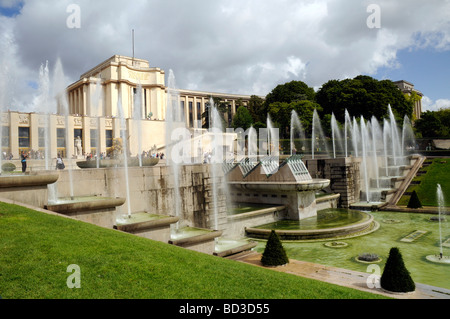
436, 173
36, 249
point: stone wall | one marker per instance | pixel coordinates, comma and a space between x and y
343, 174
152, 189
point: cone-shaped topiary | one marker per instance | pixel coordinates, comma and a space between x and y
395, 276
414, 201
274, 253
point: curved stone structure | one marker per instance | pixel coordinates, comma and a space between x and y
67, 206
310, 234
97, 210
7, 181
30, 189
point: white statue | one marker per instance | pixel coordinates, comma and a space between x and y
78, 149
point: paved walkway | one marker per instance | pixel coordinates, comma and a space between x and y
343, 277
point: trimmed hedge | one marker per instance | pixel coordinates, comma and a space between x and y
8, 167
274, 253
396, 277
414, 201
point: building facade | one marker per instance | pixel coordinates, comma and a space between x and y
408, 89
120, 97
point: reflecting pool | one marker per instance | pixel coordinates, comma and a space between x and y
396, 230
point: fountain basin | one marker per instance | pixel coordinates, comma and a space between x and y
83, 204
312, 185
438, 259
132, 162
298, 196
26, 180
227, 247
29, 189
198, 239
357, 223
151, 226
92, 209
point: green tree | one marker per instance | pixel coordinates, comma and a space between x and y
363, 96
429, 125
396, 277
257, 107
242, 118
290, 92
274, 253
280, 113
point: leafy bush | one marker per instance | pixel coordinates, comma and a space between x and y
274, 253
396, 277
414, 201
8, 167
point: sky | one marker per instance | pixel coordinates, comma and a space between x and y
228, 46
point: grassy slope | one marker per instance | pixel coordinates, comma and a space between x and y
36, 249
437, 173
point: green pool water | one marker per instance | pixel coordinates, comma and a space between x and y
393, 228
187, 232
328, 218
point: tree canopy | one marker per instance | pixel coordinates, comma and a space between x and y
434, 124
280, 113
363, 96
290, 92
242, 118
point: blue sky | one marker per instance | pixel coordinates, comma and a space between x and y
10, 8
427, 69
232, 46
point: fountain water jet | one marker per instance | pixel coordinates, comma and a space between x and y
355, 137
317, 134
272, 139
137, 115
43, 100
61, 96
364, 143
217, 159
335, 134
408, 139
347, 128
397, 151
123, 134
441, 204
172, 122
296, 125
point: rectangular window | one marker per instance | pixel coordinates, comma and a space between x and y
199, 111
24, 137
5, 136
60, 137
93, 138
191, 115
181, 115
41, 136
109, 138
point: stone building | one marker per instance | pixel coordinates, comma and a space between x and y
408, 88
94, 114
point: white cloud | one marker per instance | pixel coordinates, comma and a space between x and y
430, 105
233, 46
